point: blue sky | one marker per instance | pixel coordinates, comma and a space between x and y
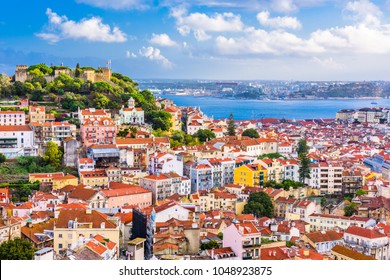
200, 39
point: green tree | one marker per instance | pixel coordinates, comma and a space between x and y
271, 156
16, 249
123, 132
303, 148
251, 132
220, 235
350, 209
209, 245
179, 136
204, 135
323, 201
103, 87
100, 101
77, 71
2, 158
231, 127
304, 161
53, 155
304, 170
43, 68
290, 243
361, 192
160, 120
259, 204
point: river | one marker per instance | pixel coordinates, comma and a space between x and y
289, 109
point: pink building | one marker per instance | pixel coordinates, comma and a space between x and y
97, 131
120, 194
91, 113
244, 239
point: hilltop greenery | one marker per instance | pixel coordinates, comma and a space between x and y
70, 92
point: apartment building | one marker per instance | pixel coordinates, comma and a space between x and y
17, 140
163, 186
252, 175
12, 118
327, 177
244, 239
53, 131
319, 221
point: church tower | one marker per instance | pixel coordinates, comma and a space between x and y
131, 103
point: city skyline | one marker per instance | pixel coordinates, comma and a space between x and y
230, 40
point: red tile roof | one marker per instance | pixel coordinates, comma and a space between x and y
95, 218
364, 232
11, 128
130, 190
319, 236
350, 253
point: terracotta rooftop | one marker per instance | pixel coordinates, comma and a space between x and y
350, 253
319, 236
364, 232
95, 218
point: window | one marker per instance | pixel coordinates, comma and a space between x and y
60, 246
70, 235
60, 235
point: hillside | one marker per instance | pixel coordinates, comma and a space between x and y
65, 89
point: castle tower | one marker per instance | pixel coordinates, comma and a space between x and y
21, 73
107, 73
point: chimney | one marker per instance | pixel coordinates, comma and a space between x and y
306, 253
212, 253
270, 253
274, 253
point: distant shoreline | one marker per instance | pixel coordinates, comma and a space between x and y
286, 99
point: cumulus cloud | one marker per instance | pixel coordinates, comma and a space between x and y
91, 29
162, 40
278, 22
118, 4
130, 54
364, 11
200, 24
283, 6
367, 36
154, 54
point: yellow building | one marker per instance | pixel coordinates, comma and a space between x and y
58, 179
37, 114
95, 178
214, 200
253, 175
240, 206
66, 180
72, 224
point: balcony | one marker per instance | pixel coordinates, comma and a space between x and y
247, 257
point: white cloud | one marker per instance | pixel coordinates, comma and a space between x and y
364, 11
162, 40
367, 36
283, 6
200, 23
130, 54
329, 63
118, 4
92, 29
154, 54
278, 22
